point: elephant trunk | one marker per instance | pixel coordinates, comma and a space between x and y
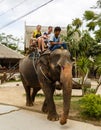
66, 80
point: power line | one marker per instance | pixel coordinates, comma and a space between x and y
26, 14
13, 7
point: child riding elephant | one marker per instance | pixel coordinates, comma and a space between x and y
55, 40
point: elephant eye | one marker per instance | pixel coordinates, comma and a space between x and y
57, 57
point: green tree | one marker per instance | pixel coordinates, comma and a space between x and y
88, 46
99, 4
72, 38
83, 44
9, 41
83, 65
93, 22
77, 23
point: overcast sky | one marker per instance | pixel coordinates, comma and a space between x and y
58, 12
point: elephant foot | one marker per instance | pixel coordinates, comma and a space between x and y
63, 120
29, 104
53, 117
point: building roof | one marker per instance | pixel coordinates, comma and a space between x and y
7, 53
29, 30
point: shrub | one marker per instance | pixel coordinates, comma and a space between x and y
89, 90
91, 106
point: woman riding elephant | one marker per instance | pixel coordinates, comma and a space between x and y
50, 68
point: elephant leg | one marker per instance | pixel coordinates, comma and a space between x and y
48, 91
45, 107
27, 90
35, 90
28, 96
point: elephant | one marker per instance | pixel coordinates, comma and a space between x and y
43, 74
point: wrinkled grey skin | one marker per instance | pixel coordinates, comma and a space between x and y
55, 67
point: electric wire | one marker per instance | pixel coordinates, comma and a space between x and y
17, 19
13, 8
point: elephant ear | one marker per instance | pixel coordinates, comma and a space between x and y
68, 56
44, 59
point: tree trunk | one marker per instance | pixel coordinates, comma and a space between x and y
84, 78
99, 83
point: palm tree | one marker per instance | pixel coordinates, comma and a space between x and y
89, 15
82, 45
91, 26
77, 23
87, 45
83, 64
93, 21
72, 39
98, 35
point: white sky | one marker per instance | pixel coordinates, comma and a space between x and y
58, 12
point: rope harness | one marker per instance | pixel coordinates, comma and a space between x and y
45, 75
35, 58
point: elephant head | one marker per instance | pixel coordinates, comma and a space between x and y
59, 58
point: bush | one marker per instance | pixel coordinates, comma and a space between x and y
89, 90
91, 106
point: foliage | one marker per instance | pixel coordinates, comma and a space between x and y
83, 64
99, 3
89, 15
77, 23
9, 41
83, 44
91, 105
98, 63
89, 90
98, 35
87, 45
91, 25
94, 22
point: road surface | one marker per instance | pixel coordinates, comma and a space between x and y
13, 118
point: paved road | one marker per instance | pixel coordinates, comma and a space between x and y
12, 118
